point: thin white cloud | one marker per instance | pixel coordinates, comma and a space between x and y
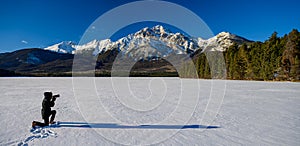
93, 27
24, 42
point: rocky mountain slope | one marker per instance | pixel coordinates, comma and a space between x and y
158, 40
151, 44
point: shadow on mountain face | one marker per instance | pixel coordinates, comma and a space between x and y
117, 126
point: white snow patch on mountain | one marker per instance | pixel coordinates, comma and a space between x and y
63, 47
32, 59
155, 41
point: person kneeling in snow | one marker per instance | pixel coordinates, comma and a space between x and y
48, 102
46, 111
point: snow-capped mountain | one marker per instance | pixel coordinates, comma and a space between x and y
220, 42
156, 41
63, 47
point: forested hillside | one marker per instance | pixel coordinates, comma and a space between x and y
275, 59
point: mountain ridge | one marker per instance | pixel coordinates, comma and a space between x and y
159, 35
275, 59
157, 42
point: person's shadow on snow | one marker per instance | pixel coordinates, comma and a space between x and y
44, 132
117, 126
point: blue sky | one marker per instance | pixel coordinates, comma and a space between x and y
40, 23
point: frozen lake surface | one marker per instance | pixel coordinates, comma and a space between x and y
141, 111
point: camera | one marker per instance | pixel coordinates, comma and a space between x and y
55, 96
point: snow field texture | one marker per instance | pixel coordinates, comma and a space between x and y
252, 113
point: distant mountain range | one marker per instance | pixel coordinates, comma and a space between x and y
157, 42
35, 60
155, 37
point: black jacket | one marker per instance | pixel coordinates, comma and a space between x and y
46, 107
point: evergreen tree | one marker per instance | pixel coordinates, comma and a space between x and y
276, 57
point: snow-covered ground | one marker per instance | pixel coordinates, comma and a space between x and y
161, 111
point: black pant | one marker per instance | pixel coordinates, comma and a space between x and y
52, 114
46, 119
